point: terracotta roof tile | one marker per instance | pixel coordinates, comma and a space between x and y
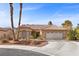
44, 27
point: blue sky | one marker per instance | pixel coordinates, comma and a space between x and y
40, 13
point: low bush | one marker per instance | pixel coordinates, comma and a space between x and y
5, 41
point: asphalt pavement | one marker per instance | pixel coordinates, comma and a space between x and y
18, 52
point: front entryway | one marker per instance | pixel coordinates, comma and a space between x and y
35, 35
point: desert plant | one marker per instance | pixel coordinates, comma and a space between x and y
5, 41
35, 34
72, 35
77, 32
77, 36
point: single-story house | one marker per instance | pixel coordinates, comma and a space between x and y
48, 32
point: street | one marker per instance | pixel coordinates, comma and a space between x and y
18, 52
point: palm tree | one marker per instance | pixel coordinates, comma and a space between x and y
20, 14
67, 24
12, 24
50, 23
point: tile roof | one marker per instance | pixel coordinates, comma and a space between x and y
44, 27
4, 29
55, 28
37, 27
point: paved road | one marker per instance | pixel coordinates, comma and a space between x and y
18, 52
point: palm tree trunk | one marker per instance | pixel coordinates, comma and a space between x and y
20, 14
12, 24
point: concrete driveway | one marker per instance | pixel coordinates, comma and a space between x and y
56, 47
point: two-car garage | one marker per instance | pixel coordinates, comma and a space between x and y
54, 35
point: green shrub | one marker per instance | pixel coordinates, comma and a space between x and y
5, 41
72, 35
35, 34
77, 36
77, 33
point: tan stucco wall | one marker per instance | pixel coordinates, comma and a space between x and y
8, 33
5, 34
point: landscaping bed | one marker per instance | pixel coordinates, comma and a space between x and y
38, 43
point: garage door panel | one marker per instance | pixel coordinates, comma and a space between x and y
54, 35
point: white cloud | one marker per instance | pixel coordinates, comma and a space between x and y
58, 19
30, 8
27, 8
5, 19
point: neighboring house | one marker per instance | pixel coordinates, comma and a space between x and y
48, 32
5, 33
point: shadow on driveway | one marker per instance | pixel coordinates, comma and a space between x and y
18, 52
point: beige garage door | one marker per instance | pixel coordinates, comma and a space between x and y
54, 35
